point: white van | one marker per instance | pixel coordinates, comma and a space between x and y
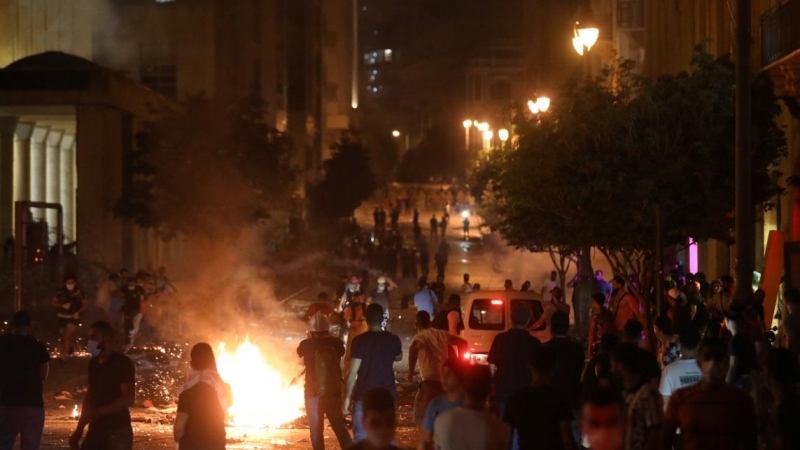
488, 313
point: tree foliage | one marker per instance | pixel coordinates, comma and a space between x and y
592, 170
209, 169
348, 180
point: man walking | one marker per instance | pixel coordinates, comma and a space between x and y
111, 392
431, 347
322, 355
425, 299
23, 368
509, 356
373, 356
644, 410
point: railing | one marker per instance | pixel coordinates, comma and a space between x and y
780, 31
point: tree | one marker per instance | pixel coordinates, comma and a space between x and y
210, 169
592, 171
348, 180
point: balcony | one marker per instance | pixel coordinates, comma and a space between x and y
780, 46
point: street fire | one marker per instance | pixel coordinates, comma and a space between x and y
75, 413
262, 395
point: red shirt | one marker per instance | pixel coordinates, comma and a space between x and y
719, 417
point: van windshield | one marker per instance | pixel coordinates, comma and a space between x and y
487, 314
536, 310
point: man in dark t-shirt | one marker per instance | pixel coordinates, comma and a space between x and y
23, 368
540, 413
510, 353
373, 356
111, 392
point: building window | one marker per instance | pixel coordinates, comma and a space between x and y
162, 78
387, 55
257, 21
500, 90
257, 76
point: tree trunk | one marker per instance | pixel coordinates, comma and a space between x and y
582, 295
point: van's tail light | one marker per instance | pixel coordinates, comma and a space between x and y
467, 355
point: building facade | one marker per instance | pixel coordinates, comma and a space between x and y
295, 54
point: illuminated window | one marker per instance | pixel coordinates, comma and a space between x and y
487, 315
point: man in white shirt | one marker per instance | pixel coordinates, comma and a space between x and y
685, 372
466, 288
550, 284
471, 426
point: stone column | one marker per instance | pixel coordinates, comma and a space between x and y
22, 161
7, 127
67, 185
53, 171
38, 169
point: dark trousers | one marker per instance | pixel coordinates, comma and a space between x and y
101, 439
316, 410
27, 422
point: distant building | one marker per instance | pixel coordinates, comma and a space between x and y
296, 54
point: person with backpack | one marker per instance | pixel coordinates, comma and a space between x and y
450, 319
322, 354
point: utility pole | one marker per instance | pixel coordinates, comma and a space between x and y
745, 221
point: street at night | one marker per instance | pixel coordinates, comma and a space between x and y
400, 224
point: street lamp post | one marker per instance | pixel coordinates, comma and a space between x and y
467, 125
503, 134
488, 135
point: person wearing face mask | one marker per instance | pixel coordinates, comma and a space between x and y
70, 302
603, 420
381, 296
711, 414
132, 311
112, 390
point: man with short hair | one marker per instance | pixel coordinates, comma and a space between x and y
453, 372
425, 299
373, 356
466, 287
471, 426
602, 286
550, 284
557, 304
379, 421
669, 348
644, 408
23, 368
508, 285
510, 353
569, 365
624, 305
541, 414
111, 392
449, 318
603, 420
711, 414
431, 347
322, 355
684, 372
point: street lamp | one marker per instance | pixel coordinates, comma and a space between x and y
487, 139
503, 135
467, 125
533, 107
483, 126
543, 103
396, 133
586, 30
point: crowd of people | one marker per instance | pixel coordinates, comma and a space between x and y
122, 299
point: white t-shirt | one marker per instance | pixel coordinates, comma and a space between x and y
467, 429
678, 375
548, 286
466, 288
433, 353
